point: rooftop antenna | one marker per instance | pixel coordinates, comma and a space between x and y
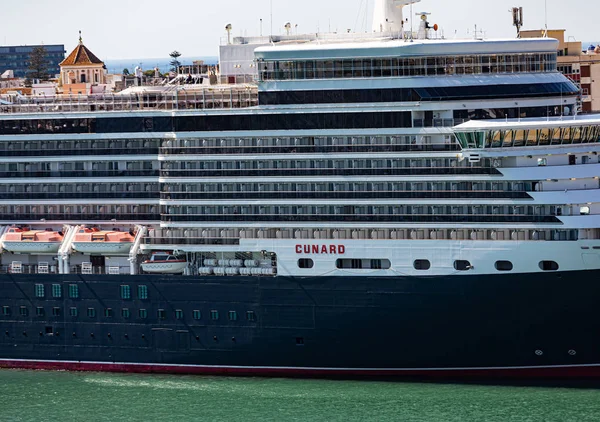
271, 20
261, 31
546, 18
411, 22
228, 28
517, 14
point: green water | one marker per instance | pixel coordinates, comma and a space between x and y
47, 396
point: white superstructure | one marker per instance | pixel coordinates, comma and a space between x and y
377, 155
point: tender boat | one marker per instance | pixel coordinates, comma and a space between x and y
164, 263
99, 242
24, 240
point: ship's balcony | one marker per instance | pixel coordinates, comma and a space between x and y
377, 195
330, 172
77, 152
108, 217
305, 149
63, 196
79, 173
352, 218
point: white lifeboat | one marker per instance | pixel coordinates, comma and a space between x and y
97, 242
164, 263
23, 240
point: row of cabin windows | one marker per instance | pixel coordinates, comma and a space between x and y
419, 264
40, 291
126, 313
342, 163
470, 186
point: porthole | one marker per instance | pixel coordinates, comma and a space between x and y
422, 265
462, 265
504, 266
306, 263
549, 266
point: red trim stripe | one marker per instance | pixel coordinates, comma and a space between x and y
549, 372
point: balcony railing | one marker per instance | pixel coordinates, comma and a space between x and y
378, 195
352, 218
305, 149
78, 173
416, 171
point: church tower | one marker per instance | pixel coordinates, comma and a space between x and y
81, 70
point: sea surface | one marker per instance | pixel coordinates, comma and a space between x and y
64, 396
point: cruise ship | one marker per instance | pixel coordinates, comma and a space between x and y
391, 204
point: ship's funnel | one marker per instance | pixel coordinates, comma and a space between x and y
388, 17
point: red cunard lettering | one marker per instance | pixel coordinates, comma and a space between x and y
321, 249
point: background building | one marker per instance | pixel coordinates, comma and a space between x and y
17, 58
579, 64
82, 72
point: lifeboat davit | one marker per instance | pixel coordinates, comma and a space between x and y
98, 242
164, 263
23, 240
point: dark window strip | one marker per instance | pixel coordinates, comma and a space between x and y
463, 93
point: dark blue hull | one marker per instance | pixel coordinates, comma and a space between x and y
289, 326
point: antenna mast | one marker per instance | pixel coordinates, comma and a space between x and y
517, 14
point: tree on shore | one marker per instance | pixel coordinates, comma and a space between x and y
38, 64
175, 63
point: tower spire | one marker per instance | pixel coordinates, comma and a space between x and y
80, 39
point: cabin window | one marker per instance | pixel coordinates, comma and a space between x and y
232, 316
143, 292
73, 291
549, 266
584, 210
91, 313
306, 263
39, 290
56, 311
422, 265
462, 265
56, 291
108, 313
179, 314
73, 312
504, 266
125, 313
251, 316
39, 311
214, 315
6, 310
363, 264
126, 292
143, 313
197, 315
23, 311
162, 314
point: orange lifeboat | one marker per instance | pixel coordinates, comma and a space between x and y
102, 242
24, 240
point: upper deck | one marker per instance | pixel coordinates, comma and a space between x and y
218, 97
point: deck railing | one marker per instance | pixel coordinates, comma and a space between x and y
214, 97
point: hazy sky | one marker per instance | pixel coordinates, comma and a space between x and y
120, 29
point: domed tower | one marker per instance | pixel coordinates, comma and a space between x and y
81, 69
